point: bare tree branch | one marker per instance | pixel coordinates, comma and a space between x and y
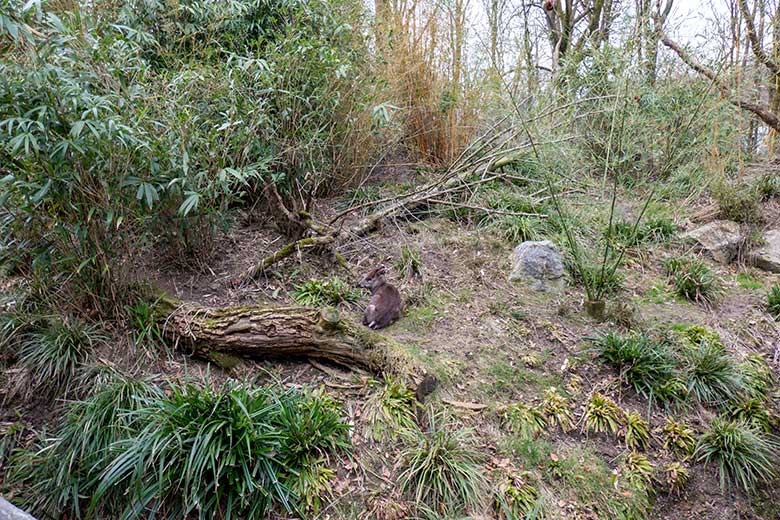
758, 48
763, 113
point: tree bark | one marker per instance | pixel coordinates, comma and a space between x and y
263, 331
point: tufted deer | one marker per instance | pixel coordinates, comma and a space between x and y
385, 304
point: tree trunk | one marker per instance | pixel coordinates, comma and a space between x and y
263, 331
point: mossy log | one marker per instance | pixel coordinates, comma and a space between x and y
265, 331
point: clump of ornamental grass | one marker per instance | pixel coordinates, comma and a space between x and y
557, 409
602, 415
693, 280
390, 409
636, 432
440, 465
678, 437
524, 420
743, 455
320, 293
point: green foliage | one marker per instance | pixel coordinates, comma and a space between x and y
440, 467
319, 293
736, 201
390, 410
602, 415
645, 364
768, 185
711, 374
638, 471
758, 376
678, 438
773, 302
636, 432
743, 454
232, 451
143, 321
410, 263
526, 421
557, 409
753, 412
653, 230
693, 279
675, 477
517, 497
608, 281
53, 354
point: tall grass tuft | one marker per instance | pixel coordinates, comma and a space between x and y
744, 456
712, 376
773, 302
440, 467
52, 355
390, 410
647, 365
180, 450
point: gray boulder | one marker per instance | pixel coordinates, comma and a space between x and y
10, 512
538, 265
719, 238
767, 257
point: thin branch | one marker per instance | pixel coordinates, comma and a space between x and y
758, 48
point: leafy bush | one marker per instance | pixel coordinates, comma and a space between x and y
693, 280
738, 202
557, 409
678, 438
517, 497
52, 355
638, 471
390, 410
233, 451
753, 412
768, 185
602, 415
636, 432
440, 468
645, 364
657, 229
744, 456
318, 293
773, 302
711, 374
526, 421
675, 477
758, 376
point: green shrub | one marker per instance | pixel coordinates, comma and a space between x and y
657, 229
773, 302
557, 410
517, 497
230, 452
758, 376
678, 438
602, 415
675, 477
526, 421
52, 355
711, 374
753, 412
768, 186
440, 467
319, 293
693, 280
645, 364
636, 432
390, 410
638, 471
738, 202
744, 456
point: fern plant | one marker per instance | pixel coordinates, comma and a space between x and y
526, 421
557, 410
678, 437
636, 432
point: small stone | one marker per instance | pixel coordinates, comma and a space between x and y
538, 265
719, 238
767, 257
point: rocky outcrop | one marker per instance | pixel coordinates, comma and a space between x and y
538, 265
720, 239
767, 257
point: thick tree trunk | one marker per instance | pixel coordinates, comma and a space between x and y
262, 331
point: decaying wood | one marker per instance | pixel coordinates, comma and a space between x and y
263, 331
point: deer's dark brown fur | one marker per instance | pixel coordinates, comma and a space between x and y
385, 304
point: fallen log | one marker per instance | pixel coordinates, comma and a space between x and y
265, 331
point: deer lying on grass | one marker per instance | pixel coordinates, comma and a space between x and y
385, 304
